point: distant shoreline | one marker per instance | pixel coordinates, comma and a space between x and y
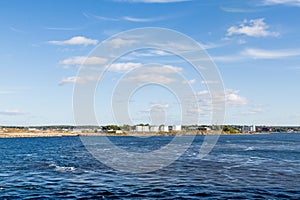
135, 134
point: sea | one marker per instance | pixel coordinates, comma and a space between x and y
260, 166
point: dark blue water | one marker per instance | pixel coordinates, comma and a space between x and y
243, 167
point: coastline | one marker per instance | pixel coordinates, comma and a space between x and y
135, 134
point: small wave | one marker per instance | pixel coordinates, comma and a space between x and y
62, 168
249, 149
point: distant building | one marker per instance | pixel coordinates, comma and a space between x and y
164, 128
248, 129
253, 128
77, 130
154, 129
142, 129
176, 127
118, 131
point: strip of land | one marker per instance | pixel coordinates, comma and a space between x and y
62, 131
66, 134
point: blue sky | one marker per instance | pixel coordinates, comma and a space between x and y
254, 44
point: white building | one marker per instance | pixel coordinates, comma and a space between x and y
253, 128
154, 128
139, 128
142, 129
249, 128
176, 127
164, 128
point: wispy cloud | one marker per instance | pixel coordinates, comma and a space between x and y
134, 19
209, 82
152, 1
151, 74
79, 60
155, 78
146, 53
232, 97
118, 42
91, 16
252, 28
123, 18
160, 74
236, 10
228, 58
123, 67
270, 54
12, 112
115, 67
192, 81
282, 2
77, 40
77, 79
253, 53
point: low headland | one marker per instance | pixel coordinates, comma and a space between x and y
126, 130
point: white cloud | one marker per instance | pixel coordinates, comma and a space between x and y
177, 45
236, 10
77, 40
160, 105
12, 112
203, 92
160, 52
155, 78
232, 98
228, 58
145, 53
152, 74
282, 2
123, 67
155, 74
79, 60
210, 45
135, 19
192, 81
209, 82
124, 18
253, 28
166, 69
270, 54
118, 42
77, 79
252, 53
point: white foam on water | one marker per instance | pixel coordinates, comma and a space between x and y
249, 149
62, 168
